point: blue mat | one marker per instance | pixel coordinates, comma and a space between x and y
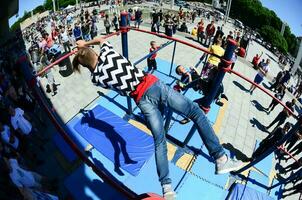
108, 133
266, 164
205, 168
147, 180
84, 184
64, 147
195, 188
259, 178
242, 192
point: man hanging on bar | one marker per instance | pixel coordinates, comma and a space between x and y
112, 71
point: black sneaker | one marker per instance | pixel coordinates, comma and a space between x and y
219, 103
224, 97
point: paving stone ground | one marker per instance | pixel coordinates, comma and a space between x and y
238, 129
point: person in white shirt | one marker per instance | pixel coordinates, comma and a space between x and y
65, 40
26, 181
263, 70
7, 137
19, 121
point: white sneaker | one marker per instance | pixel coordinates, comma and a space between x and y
229, 166
168, 192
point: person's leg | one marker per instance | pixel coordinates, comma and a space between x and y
185, 106
149, 107
274, 105
149, 64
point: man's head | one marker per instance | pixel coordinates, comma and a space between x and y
153, 44
180, 70
212, 22
268, 61
85, 57
218, 42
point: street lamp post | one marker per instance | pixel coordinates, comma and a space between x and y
54, 5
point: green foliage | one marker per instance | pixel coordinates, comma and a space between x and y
254, 15
270, 34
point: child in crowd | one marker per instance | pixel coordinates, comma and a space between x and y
151, 61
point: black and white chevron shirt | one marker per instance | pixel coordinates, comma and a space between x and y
115, 72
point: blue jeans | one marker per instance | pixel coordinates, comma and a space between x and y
159, 95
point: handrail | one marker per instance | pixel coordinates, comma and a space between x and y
153, 52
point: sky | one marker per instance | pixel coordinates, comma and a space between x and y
25, 5
289, 11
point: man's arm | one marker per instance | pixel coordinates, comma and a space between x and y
95, 41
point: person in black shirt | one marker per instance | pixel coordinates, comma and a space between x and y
271, 140
279, 95
219, 34
277, 80
283, 115
155, 22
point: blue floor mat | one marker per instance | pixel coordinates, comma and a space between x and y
265, 165
115, 103
195, 188
243, 192
259, 178
147, 180
115, 138
84, 184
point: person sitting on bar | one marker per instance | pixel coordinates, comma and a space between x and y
112, 71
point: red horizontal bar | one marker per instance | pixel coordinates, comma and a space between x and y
285, 151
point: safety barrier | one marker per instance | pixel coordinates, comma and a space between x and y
225, 63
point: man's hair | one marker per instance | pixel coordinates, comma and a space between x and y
83, 57
152, 42
176, 69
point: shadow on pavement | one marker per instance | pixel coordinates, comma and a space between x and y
241, 87
258, 106
259, 125
238, 154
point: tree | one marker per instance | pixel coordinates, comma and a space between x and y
254, 15
273, 36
